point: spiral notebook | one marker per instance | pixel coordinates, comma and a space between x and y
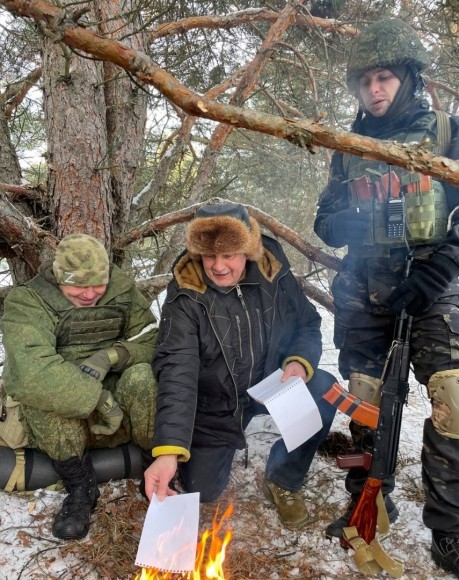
291, 406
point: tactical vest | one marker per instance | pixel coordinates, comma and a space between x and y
81, 331
378, 189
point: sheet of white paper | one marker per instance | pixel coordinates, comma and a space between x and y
291, 406
170, 534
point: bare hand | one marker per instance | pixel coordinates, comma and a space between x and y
294, 369
158, 476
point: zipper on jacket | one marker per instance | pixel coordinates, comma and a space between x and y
239, 334
252, 358
241, 297
219, 342
260, 328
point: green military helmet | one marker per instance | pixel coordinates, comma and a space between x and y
81, 260
385, 43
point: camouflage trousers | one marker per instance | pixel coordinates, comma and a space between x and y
364, 331
135, 390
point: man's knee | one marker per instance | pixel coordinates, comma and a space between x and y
320, 384
59, 437
138, 372
443, 390
365, 388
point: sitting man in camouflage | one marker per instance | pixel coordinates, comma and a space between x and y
78, 339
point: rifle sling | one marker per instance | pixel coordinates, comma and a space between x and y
372, 559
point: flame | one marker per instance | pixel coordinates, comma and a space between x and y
216, 553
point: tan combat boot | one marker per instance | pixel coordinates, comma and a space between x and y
289, 504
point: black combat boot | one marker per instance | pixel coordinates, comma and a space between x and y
72, 521
445, 551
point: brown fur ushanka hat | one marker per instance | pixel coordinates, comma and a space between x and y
224, 228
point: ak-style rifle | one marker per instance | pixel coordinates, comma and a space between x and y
362, 524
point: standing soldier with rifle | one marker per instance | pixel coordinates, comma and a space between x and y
385, 214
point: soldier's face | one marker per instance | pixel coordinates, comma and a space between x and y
378, 88
83, 295
224, 269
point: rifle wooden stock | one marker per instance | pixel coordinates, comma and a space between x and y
365, 514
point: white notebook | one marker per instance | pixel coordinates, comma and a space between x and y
291, 406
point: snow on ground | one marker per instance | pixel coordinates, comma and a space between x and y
29, 551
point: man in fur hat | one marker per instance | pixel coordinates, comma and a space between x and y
234, 313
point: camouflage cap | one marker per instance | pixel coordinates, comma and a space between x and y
385, 43
81, 260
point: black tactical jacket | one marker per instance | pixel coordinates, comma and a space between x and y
215, 343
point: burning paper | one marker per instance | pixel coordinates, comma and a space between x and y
170, 534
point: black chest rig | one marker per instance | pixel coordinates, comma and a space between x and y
404, 206
81, 331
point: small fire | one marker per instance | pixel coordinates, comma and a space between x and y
211, 564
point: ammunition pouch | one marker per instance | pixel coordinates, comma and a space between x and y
398, 199
12, 431
443, 390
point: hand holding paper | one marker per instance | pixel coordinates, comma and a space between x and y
291, 406
158, 476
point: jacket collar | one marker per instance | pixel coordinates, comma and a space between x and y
190, 275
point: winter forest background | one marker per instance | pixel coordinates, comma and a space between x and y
117, 114
119, 117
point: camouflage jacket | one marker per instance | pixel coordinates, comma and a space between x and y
38, 374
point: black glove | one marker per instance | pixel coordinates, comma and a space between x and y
347, 226
425, 284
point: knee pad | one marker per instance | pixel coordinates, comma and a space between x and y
365, 388
443, 388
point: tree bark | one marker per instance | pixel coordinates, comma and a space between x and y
126, 109
78, 160
243, 91
305, 133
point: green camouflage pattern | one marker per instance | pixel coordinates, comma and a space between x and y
81, 260
135, 391
50, 384
385, 43
431, 204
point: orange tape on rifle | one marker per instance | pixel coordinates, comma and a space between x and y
351, 405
